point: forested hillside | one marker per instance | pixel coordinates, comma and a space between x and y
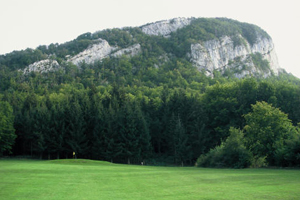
153, 106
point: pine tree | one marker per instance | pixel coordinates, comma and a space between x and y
56, 137
180, 147
7, 131
111, 139
76, 140
129, 133
98, 140
41, 128
145, 145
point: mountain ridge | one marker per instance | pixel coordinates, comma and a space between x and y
210, 44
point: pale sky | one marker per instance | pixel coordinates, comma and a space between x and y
30, 23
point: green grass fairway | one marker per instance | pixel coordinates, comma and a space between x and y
85, 179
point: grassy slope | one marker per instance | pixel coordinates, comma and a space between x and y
84, 179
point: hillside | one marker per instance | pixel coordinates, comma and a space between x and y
208, 44
165, 92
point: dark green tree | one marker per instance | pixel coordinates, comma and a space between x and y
110, 137
7, 131
41, 128
266, 130
129, 133
76, 140
181, 147
230, 153
57, 133
143, 134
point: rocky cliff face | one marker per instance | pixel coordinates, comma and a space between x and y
95, 52
165, 27
102, 50
221, 54
42, 66
129, 51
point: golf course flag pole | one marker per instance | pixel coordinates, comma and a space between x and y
73, 154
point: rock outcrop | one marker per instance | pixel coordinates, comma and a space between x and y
129, 51
42, 66
165, 27
95, 52
220, 54
102, 50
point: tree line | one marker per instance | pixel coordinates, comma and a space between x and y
171, 126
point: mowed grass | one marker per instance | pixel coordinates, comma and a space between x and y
86, 179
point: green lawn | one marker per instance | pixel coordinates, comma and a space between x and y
85, 179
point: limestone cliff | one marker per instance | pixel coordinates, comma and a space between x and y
165, 27
102, 50
95, 52
42, 66
221, 54
129, 51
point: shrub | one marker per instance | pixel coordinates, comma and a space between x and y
258, 162
232, 153
289, 154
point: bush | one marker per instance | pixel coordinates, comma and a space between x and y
258, 162
289, 154
212, 159
232, 153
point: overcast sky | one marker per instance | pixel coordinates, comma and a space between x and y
30, 23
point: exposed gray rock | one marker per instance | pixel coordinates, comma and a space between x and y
95, 52
130, 51
42, 66
219, 54
165, 27
102, 50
